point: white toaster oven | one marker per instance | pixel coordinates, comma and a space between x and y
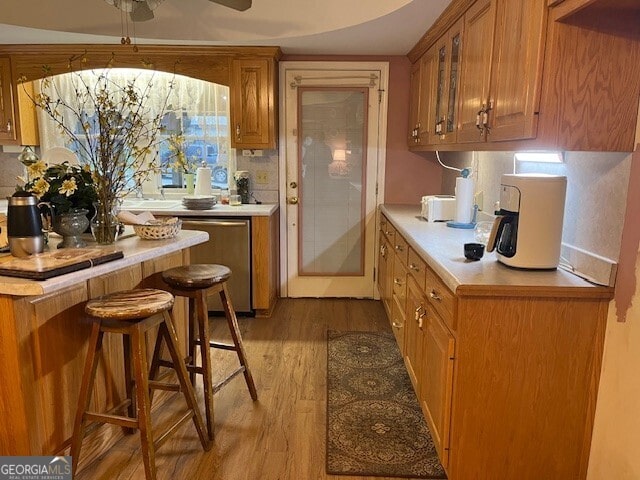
438, 208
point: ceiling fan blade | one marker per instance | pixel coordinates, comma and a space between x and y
141, 12
240, 5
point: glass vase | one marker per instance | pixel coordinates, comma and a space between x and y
70, 226
189, 181
104, 224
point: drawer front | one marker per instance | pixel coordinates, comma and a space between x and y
387, 229
417, 268
441, 298
399, 281
401, 248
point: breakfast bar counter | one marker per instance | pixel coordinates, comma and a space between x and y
43, 339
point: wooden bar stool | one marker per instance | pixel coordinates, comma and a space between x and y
197, 282
132, 314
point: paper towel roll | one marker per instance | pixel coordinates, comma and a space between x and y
203, 181
464, 199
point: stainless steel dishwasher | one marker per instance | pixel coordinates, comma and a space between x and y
229, 244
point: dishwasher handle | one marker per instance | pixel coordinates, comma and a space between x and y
215, 223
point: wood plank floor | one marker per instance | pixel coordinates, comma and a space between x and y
279, 437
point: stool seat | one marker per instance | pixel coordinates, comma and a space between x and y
196, 276
130, 305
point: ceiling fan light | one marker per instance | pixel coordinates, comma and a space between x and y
141, 12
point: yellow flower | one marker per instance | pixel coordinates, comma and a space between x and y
69, 187
40, 187
37, 169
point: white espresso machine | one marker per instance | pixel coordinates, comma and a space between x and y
527, 232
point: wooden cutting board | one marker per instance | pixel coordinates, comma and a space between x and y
56, 262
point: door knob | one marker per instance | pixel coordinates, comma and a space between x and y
292, 200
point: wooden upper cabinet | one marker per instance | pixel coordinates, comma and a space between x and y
7, 120
475, 71
427, 93
253, 107
18, 122
516, 69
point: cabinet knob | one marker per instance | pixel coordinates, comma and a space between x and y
292, 200
434, 294
397, 281
238, 131
399, 248
9, 126
396, 325
414, 267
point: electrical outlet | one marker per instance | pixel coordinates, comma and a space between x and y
262, 177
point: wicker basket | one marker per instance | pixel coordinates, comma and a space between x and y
160, 229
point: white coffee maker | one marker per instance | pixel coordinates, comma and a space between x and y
527, 232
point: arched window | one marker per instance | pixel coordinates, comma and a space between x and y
195, 109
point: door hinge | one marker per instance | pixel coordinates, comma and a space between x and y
374, 274
380, 92
376, 188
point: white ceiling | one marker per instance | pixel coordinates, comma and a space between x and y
337, 27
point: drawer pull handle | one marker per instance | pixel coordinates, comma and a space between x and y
433, 294
418, 315
386, 232
399, 248
397, 281
396, 325
414, 267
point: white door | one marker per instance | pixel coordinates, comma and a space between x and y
334, 133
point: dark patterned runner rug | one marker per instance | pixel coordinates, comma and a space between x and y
374, 424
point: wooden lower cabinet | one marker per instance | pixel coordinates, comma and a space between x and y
507, 377
385, 272
43, 347
436, 380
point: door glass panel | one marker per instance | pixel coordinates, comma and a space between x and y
453, 83
442, 56
332, 159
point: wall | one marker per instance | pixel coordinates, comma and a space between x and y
616, 435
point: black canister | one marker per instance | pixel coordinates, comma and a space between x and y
25, 231
242, 185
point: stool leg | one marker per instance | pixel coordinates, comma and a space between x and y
90, 365
128, 380
193, 315
168, 330
144, 403
155, 363
205, 353
232, 320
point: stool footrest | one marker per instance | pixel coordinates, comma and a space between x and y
181, 421
223, 346
114, 419
222, 383
169, 387
195, 369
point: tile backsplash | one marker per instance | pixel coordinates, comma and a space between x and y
10, 170
263, 174
596, 198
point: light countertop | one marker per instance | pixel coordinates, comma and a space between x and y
177, 209
135, 251
442, 248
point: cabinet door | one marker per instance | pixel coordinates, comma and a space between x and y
479, 23
454, 41
428, 89
384, 273
414, 332
398, 322
436, 382
252, 108
415, 82
7, 122
516, 72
